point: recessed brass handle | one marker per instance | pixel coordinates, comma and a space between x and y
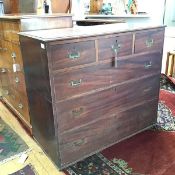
20, 105
148, 65
116, 47
6, 92
3, 70
74, 55
4, 49
77, 112
149, 42
79, 142
75, 83
13, 55
147, 90
17, 80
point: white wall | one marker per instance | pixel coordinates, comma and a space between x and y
155, 9
170, 13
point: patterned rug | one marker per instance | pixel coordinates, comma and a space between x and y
11, 145
148, 153
27, 170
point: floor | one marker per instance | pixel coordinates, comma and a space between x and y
36, 156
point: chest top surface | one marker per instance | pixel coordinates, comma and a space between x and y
85, 31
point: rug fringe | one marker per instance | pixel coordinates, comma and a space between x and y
15, 156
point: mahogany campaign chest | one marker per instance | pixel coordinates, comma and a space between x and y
90, 90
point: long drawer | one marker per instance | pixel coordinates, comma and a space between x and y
75, 82
79, 111
85, 140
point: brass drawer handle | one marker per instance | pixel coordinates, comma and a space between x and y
3, 70
17, 80
6, 92
148, 65
4, 49
20, 105
77, 112
74, 55
149, 42
116, 47
75, 83
79, 142
13, 55
147, 90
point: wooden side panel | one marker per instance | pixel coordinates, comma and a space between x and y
83, 141
152, 40
37, 83
80, 111
69, 55
72, 83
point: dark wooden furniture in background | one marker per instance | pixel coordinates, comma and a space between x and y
12, 87
89, 88
170, 64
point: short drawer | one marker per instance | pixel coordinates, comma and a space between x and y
151, 40
81, 81
74, 54
88, 108
91, 138
120, 45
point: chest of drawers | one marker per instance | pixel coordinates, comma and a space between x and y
12, 84
88, 92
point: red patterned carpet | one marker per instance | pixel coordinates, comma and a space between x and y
151, 152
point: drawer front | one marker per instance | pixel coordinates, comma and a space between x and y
17, 57
69, 55
72, 83
76, 112
121, 45
152, 40
81, 142
10, 31
19, 82
6, 77
21, 105
6, 53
